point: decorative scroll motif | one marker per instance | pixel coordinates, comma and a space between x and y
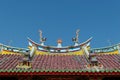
98, 67
60, 50
24, 65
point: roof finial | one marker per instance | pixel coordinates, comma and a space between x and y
59, 41
40, 35
42, 40
77, 35
76, 39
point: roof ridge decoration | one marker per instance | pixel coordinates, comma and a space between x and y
42, 39
59, 48
76, 39
111, 49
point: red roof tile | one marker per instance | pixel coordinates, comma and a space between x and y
59, 62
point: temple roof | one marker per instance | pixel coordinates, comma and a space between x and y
59, 63
42, 58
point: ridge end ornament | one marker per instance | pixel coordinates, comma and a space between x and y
42, 39
76, 39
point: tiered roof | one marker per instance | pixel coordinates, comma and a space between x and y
51, 60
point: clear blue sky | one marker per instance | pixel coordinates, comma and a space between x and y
20, 19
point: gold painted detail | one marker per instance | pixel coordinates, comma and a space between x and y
24, 64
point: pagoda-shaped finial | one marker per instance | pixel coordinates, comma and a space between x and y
59, 41
42, 40
76, 39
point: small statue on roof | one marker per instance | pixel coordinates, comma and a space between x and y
42, 39
93, 63
27, 58
76, 39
